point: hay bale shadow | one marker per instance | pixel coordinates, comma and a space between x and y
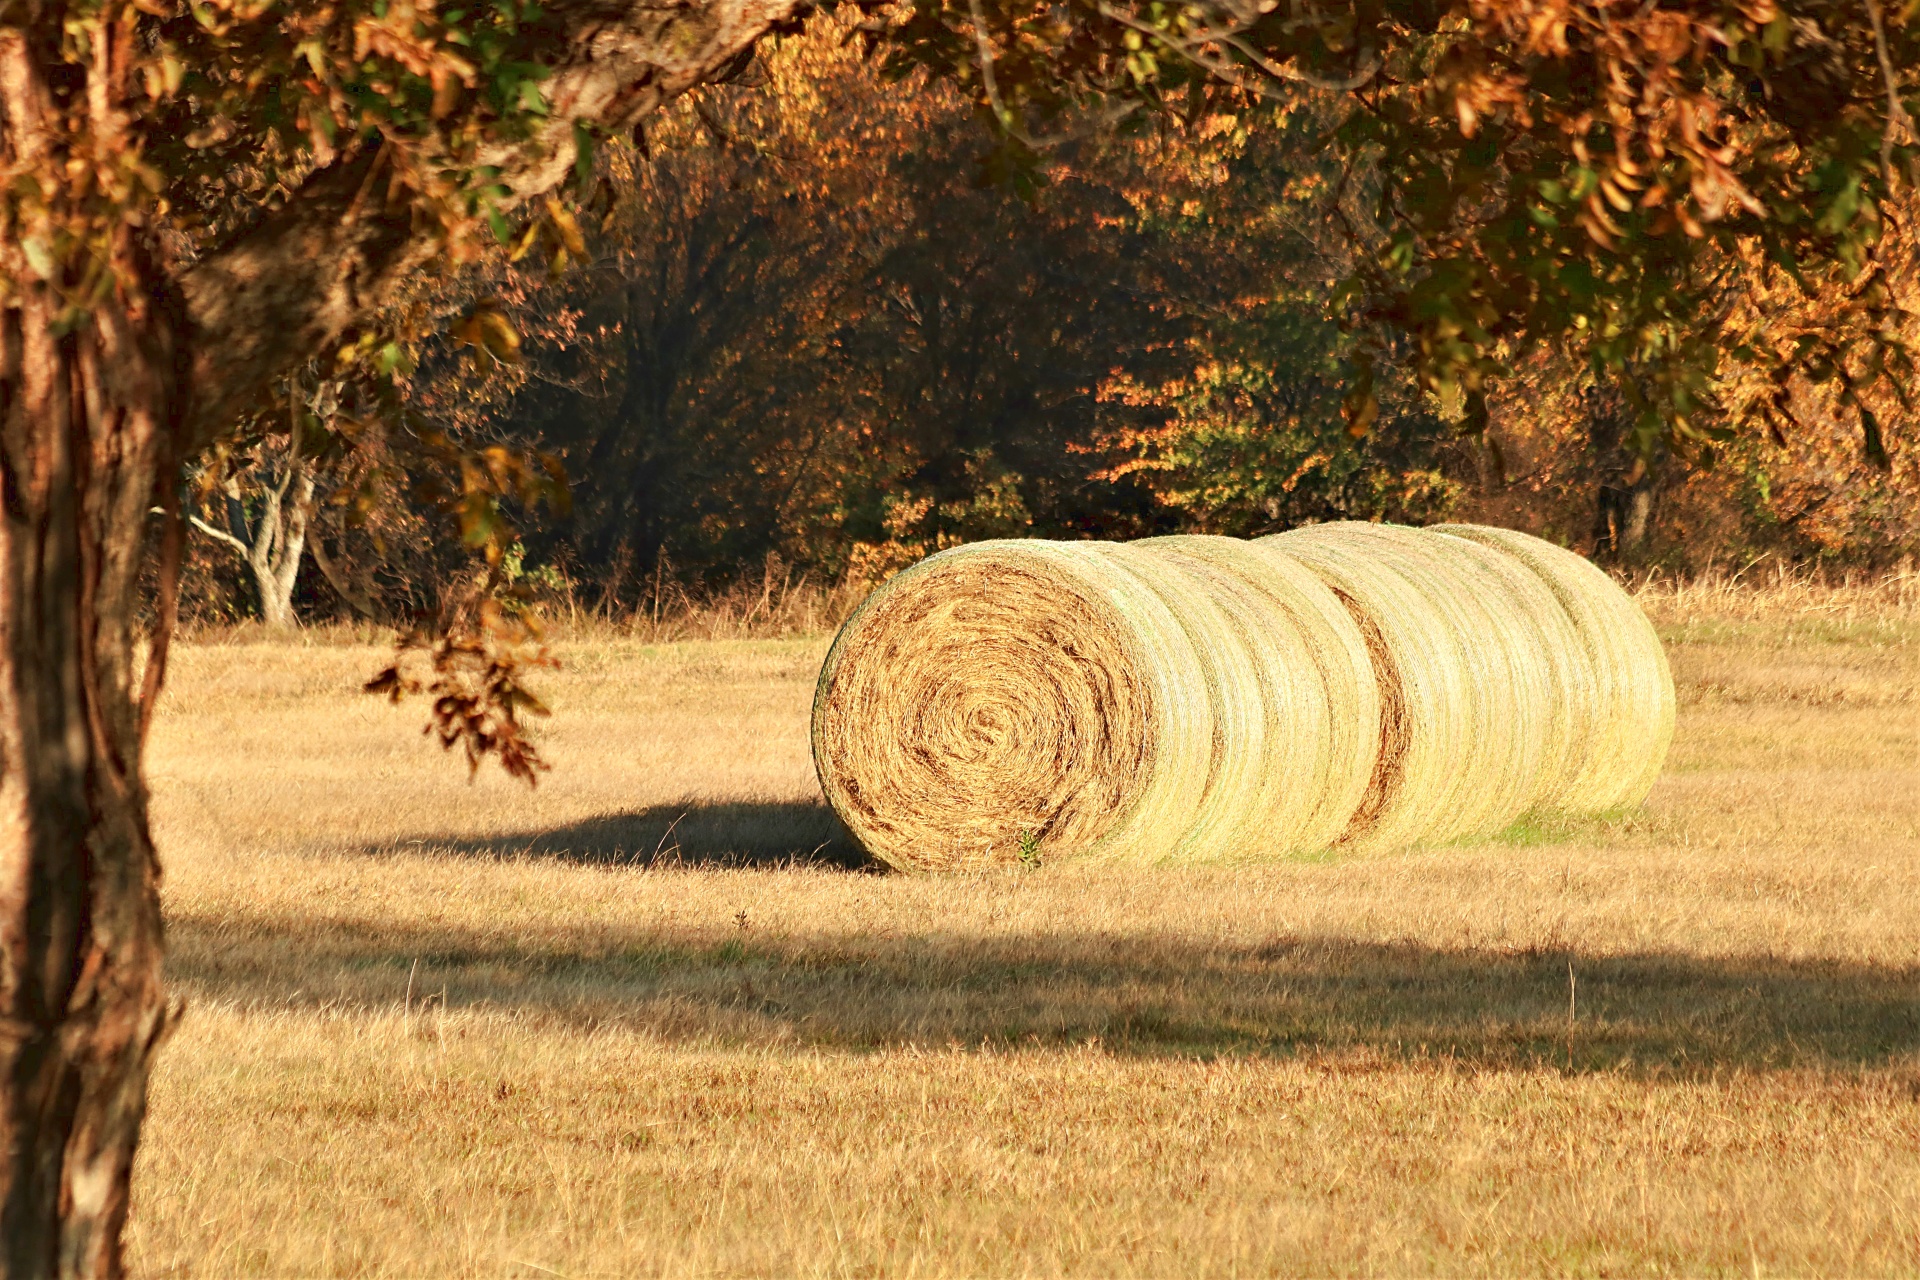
701, 833
804, 982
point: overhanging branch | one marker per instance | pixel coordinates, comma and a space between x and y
324, 263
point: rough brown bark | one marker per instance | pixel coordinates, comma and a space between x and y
87, 416
1623, 516
83, 437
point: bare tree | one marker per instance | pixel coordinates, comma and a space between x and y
282, 480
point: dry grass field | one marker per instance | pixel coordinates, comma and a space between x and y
650, 1019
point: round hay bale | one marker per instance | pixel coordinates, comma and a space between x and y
1297, 702
1626, 700
1205, 699
1468, 738
1553, 665
1015, 690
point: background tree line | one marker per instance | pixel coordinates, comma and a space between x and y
817, 314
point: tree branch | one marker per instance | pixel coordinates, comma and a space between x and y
1897, 118
1193, 49
335, 254
1009, 121
221, 535
357, 600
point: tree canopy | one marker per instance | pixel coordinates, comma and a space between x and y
1703, 197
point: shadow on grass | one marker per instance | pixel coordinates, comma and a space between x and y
691, 833
1655, 1014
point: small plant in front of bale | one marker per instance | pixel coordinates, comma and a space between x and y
1030, 849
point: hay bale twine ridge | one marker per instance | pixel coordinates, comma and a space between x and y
1625, 697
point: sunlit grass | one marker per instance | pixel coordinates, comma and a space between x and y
654, 1018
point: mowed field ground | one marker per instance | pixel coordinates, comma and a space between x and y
609, 1027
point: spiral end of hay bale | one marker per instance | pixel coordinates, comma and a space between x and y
1004, 697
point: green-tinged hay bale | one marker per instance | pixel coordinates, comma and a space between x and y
1205, 699
1008, 691
1468, 700
1296, 701
1554, 666
1627, 698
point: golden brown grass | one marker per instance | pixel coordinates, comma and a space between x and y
441, 1028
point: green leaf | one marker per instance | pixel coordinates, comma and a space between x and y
583, 157
39, 256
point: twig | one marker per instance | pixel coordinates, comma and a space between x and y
1008, 120
663, 839
1231, 74
220, 534
1000, 112
1358, 79
1571, 1011
1896, 113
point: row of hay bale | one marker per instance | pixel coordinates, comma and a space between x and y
1210, 699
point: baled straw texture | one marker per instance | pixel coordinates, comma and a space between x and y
1626, 700
1295, 704
1181, 699
1199, 699
1007, 689
1551, 664
1471, 659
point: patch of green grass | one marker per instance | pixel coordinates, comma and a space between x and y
1532, 830
1814, 629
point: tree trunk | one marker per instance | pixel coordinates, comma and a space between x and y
1623, 497
87, 415
281, 538
1623, 516
273, 547
84, 432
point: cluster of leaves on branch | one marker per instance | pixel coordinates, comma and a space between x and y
251, 98
472, 671
223, 108
1647, 186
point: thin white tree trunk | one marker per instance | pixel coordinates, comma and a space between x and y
274, 546
281, 539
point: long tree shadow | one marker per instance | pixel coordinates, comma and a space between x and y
690, 833
1651, 1013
